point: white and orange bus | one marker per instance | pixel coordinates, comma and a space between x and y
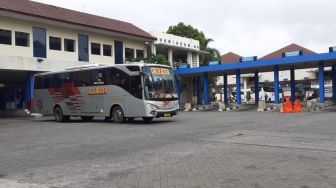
118, 92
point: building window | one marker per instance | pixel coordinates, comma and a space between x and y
160, 39
188, 45
176, 43
180, 43
83, 45
169, 41
129, 53
107, 50
54, 43
39, 42
69, 45
140, 53
5, 37
21, 39
164, 40
185, 44
95, 48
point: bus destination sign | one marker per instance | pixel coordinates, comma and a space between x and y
162, 71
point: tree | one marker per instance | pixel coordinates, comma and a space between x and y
157, 59
189, 31
212, 54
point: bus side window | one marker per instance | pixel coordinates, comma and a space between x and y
46, 82
38, 82
119, 78
66, 80
56, 81
136, 87
98, 77
81, 78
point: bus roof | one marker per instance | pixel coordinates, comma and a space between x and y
99, 66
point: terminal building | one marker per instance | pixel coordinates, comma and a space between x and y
178, 50
36, 37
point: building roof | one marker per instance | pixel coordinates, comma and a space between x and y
50, 12
289, 48
230, 58
263, 65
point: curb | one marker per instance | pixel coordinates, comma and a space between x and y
267, 109
232, 108
202, 108
199, 108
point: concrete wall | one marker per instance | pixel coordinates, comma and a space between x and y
173, 40
22, 54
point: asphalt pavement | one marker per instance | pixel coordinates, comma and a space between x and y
193, 149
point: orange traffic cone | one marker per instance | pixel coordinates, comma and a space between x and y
297, 107
287, 107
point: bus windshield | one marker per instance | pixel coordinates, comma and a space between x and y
159, 83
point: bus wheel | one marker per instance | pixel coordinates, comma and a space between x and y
118, 114
58, 114
87, 118
147, 119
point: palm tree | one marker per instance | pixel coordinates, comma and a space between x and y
212, 54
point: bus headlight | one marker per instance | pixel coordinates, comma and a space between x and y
152, 106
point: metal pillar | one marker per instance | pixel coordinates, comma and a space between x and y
206, 88
225, 80
153, 48
238, 93
170, 56
333, 78
178, 89
292, 77
245, 88
29, 90
199, 92
276, 84
256, 86
321, 82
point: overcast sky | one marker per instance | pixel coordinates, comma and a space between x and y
245, 27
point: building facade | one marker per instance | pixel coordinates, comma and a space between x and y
36, 37
178, 50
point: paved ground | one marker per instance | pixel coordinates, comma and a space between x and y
194, 149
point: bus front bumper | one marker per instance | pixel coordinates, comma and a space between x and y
166, 114
162, 113
153, 109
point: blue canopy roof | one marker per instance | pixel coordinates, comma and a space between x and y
285, 63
